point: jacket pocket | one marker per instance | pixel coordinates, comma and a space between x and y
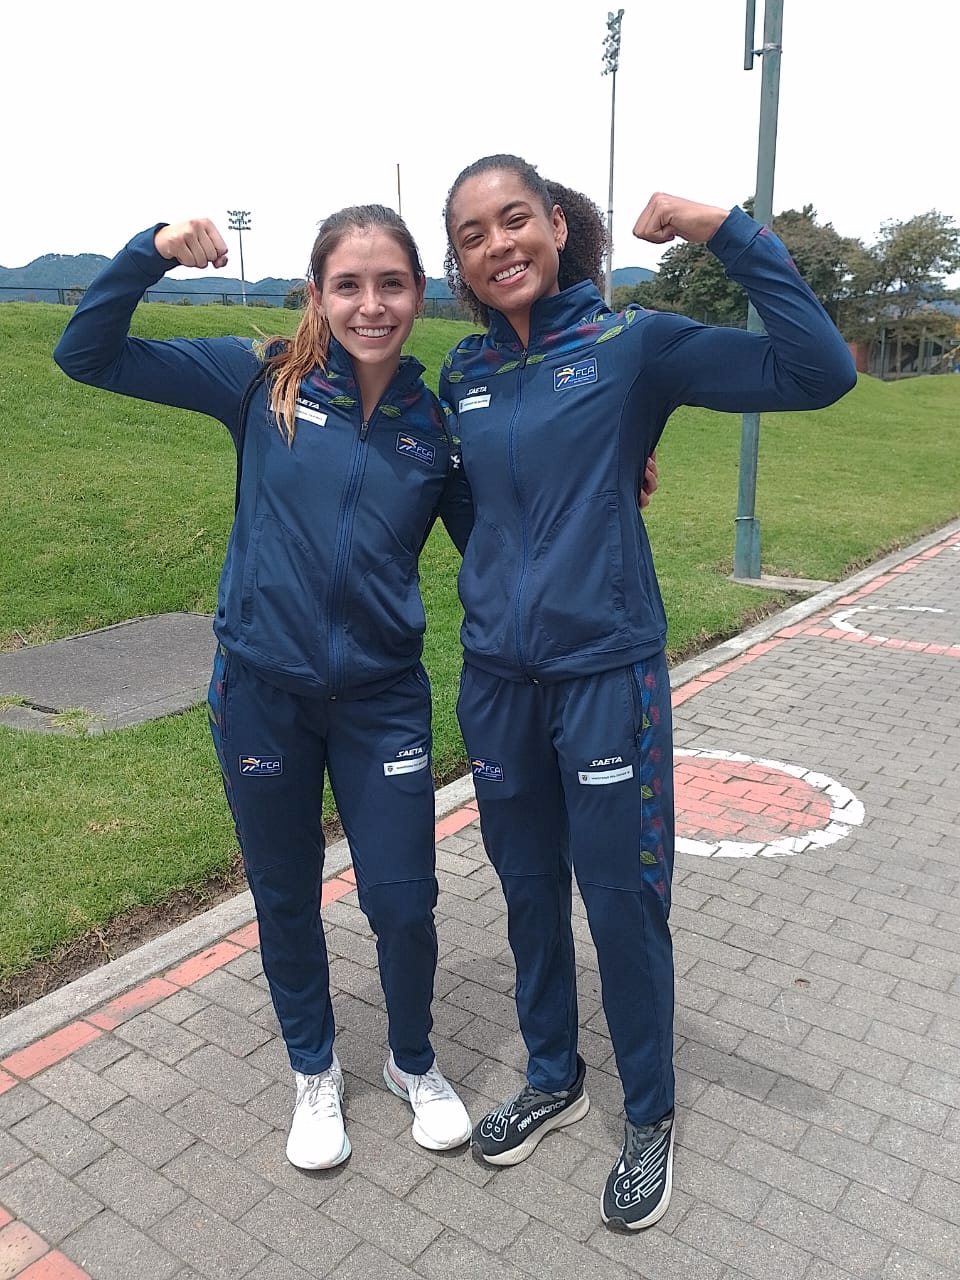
281, 599
485, 583
384, 619
576, 596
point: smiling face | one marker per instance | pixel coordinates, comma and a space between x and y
506, 243
370, 297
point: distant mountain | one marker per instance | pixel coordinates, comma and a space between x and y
52, 271
631, 275
46, 279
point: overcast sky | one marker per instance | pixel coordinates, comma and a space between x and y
118, 114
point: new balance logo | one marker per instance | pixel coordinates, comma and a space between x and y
539, 1113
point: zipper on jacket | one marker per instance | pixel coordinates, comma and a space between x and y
344, 539
518, 629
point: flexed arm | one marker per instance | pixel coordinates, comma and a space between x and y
801, 362
205, 374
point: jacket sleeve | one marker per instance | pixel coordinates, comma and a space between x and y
801, 362
208, 375
456, 505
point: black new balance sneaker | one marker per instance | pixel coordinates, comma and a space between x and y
510, 1134
638, 1189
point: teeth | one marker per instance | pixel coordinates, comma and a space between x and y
373, 333
511, 271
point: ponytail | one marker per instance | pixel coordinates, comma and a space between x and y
288, 362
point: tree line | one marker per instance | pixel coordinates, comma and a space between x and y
891, 288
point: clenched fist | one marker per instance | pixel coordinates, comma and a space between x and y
667, 217
194, 243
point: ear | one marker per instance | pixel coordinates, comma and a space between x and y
421, 290
460, 271
315, 297
560, 232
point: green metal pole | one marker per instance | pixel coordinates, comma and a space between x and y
746, 556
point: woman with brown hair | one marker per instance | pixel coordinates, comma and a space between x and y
343, 467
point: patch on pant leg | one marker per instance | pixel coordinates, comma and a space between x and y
261, 766
490, 770
604, 770
409, 760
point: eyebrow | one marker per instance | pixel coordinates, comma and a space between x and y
507, 209
381, 275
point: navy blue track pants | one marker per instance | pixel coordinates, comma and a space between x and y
273, 747
579, 775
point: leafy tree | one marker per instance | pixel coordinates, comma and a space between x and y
692, 282
295, 298
913, 259
642, 292
837, 268
833, 265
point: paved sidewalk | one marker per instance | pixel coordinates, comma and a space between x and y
143, 1109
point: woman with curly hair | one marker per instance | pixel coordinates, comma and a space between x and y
565, 696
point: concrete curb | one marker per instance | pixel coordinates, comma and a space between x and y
42, 1016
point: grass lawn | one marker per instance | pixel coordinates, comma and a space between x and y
112, 509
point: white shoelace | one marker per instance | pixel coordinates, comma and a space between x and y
321, 1094
430, 1087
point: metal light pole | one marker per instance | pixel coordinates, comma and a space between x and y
240, 222
746, 556
611, 64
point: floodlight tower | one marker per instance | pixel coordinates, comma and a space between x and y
240, 222
611, 64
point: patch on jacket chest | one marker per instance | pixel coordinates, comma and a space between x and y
419, 449
575, 375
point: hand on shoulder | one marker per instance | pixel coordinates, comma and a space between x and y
193, 243
667, 217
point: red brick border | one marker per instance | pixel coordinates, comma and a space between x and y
815, 626
27, 1256
54, 1266
19, 1246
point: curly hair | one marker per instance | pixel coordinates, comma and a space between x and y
289, 360
581, 259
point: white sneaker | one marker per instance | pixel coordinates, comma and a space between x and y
440, 1118
317, 1138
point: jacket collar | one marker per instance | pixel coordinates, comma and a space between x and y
548, 316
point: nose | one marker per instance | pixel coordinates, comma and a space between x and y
499, 241
370, 301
